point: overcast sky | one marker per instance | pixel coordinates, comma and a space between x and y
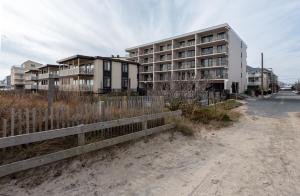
48, 30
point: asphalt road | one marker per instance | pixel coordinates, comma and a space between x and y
277, 105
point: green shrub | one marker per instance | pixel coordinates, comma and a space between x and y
175, 104
184, 129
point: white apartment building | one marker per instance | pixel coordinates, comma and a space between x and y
97, 74
45, 73
214, 56
17, 77
30, 74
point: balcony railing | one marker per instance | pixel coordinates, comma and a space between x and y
133, 55
214, 39
47, 76
214, 51
73, 87
256, 83
185, 66
183, 45
148, 61
165, 58
76, 71
214, 63
30, 86
43, 87
214, 76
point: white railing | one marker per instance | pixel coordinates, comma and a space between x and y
76, 71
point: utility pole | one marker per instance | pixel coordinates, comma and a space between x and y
262, 74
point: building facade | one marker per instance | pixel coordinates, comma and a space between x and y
45, 73
97, 74
215, 56
17, 77
30, 74
270, 80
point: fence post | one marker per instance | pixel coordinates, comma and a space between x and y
27, 120
52, 117
4, 127
33, 120
46, 119
12, 125
20, 121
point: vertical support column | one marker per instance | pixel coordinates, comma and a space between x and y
172, 67
153, 68
195, 77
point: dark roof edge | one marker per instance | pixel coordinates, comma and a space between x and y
95, 57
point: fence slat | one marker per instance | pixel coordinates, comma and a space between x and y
33, 119
4, 128
19, 121
12, 121
27, 120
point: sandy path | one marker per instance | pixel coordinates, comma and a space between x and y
257, 156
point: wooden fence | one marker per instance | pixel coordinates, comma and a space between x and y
83, 145
30, 120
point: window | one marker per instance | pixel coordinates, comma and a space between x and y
169, 46
191, 53
220, 48
124, 67
221, 61
221, 35
208, 50
181, 44
161, 48
107, 66
106, 82
191, 42
146, 51
208, 38
125, 83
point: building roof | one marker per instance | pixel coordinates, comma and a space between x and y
224, 25
116, 59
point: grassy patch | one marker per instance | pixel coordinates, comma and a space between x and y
184, 129
216, 116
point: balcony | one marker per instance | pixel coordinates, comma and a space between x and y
214, 76
149, 79
212, 52
30, 77
185, 65
215, 39
165, 58
254, 83
185, 55
78, 87
47, 76
132, 55
76, 71
213, 64
148, 61
30, 86
184, 45
43, 87
149, 52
